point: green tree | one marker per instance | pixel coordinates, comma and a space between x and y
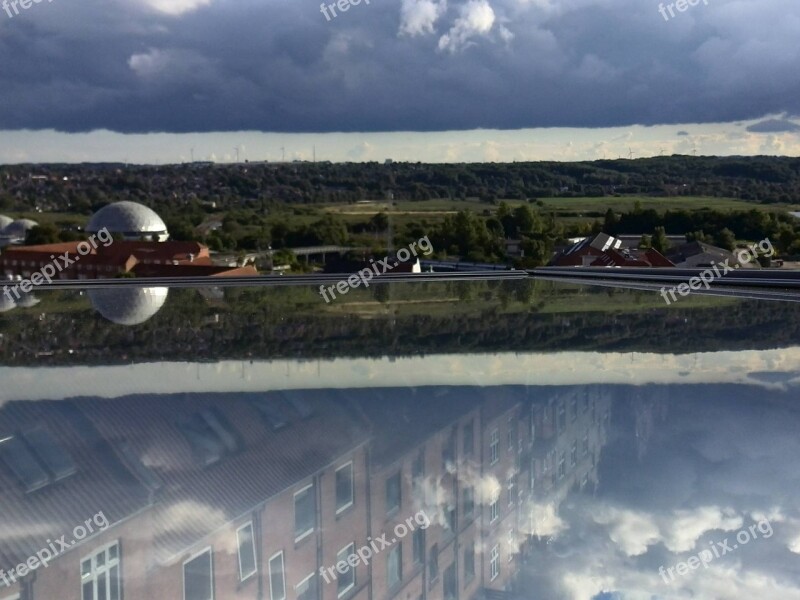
726, 239
42, 234
659, 240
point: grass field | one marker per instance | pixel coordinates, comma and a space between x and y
575, 208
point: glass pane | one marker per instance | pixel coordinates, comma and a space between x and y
277, 583
88, 588
247, 558
101, 587
197, 578
113, 582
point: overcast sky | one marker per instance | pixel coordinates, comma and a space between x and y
719, 78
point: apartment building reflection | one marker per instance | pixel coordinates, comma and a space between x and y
247, 495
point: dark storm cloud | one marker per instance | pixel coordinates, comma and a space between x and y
774, 126
204, 65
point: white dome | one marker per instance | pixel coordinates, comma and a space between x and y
19, 228
128, 305
5, 222
131, 219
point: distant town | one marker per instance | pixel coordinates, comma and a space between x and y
205, 219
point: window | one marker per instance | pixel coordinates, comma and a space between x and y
247, 551
512, 547
493, 444
469, 438
100, 576
469, 563
562, 417
433, 564
299, 404
35, 458
562, 465
494, 563
198, 578
493, 511
344, 487
449, 583
277, 582
304, 512
469, 501
52, 456
418, 545
574, 409
393, 493
307, 589
573, 455
510, 490
346, 580
210, 436
273, 412
510, 434
394, 566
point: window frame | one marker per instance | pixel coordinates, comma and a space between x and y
349, 550
305, 534
390, 510
397, 550
242, 576
494, 563
283, 574
208, 550
308, 578
351, 502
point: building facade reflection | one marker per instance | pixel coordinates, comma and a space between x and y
254, 495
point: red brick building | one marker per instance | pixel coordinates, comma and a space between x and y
81, 260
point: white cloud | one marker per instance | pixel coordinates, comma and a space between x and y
476, 19
688, 526
418, 17
631, 531
176, 7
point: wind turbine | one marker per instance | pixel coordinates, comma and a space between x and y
630, 153
236, 149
